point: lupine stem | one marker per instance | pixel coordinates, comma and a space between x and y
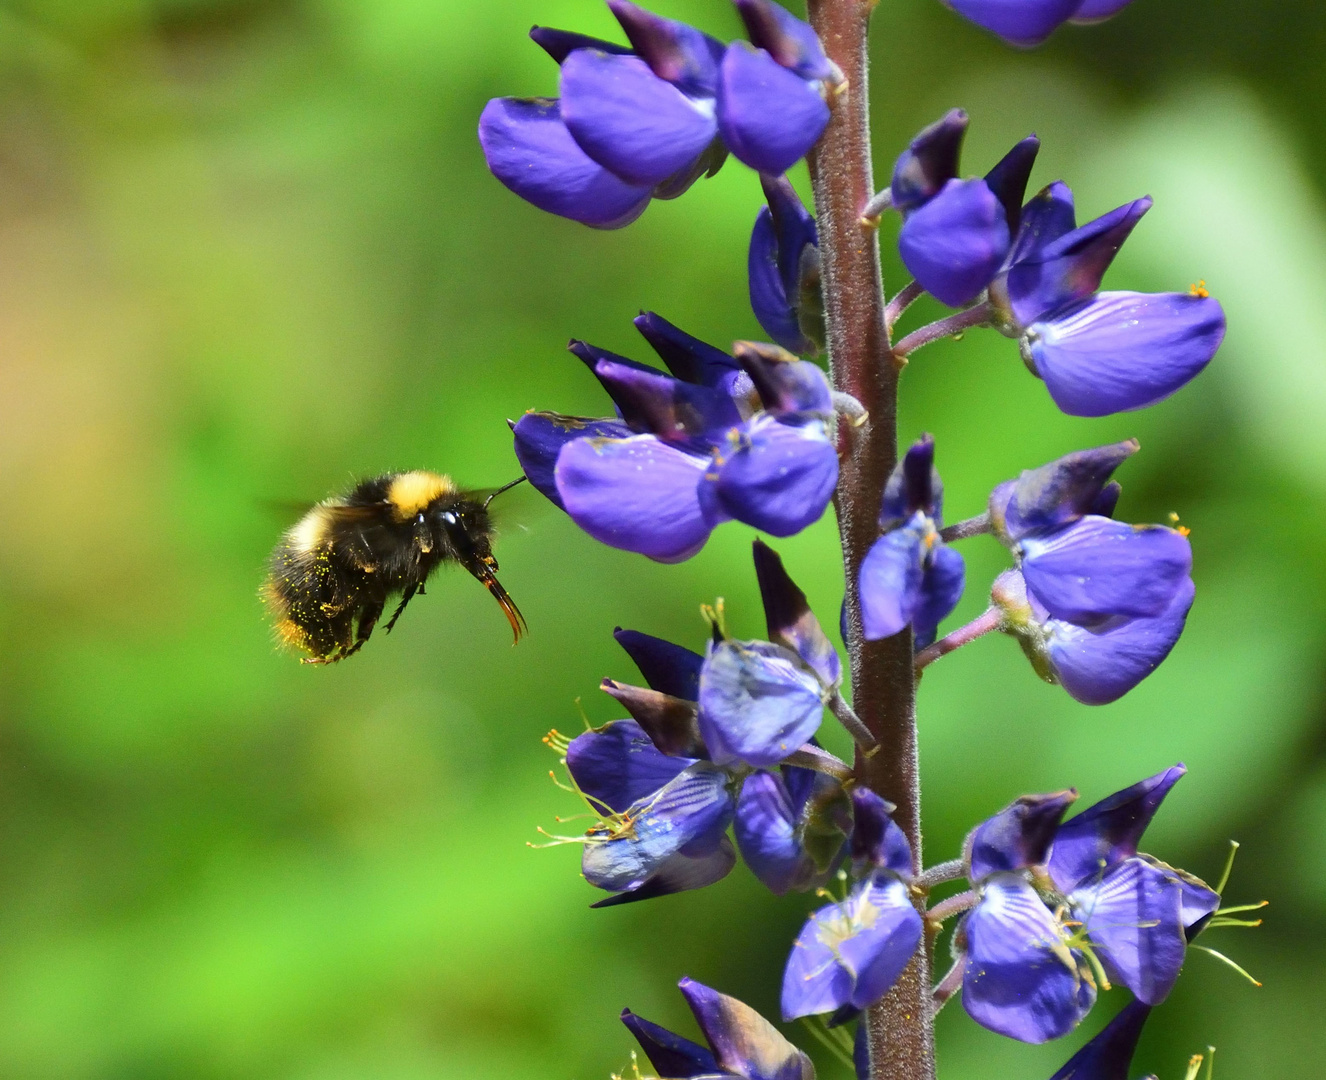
961, 530
942, 328
880, 204
849, 720
861, 362
949, 985
954, 905
940, 874
963, 635
911, 292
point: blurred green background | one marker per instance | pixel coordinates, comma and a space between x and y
249, 250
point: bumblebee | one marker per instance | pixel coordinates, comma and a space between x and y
331, 575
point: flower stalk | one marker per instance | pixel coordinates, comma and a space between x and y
861, 363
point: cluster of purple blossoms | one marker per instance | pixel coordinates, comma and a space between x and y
646, 121
719, 439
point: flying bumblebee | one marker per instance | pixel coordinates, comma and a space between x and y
331, 575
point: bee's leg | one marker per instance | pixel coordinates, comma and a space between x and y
410, 590
368, 619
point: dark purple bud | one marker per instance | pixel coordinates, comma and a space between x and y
930, 162
540, 437
650, 401
1108, 831
789, 619
688, 358
1024, 23
617, 765
744, 1043
1008, 179
769, 116
877, 842
1019, 836
676, 53
1071, 267
668, 668
1123, 350
1110, 1054
669, 722
670, 1054
529, 149
639, 127
1061, 492
1020, 978
955, 243
559, 44
790, 41
851, 954
638, 494
783, 267
913, 485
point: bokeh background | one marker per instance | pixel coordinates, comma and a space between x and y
249, 251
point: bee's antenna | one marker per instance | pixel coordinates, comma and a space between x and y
504, 487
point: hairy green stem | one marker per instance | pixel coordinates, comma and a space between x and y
901, 1030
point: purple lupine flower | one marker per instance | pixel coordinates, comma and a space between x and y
1136, 910
1096, 604
644, 122
1022, 977
850, 954
790, 827
1110, 1053
691, 450
1029, 22
784, 269
910, 576
956, 233
741, 1042
1097, 352
774, 92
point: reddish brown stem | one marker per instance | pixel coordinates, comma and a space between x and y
861, 363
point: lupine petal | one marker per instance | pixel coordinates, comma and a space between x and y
1008, 179
629, 120
768, 293
1108, 1055
658, 404
956, 242
1132, 915
1108, 831
891, 576
1094, 11
680, 872
559, 44
1098, 567
540, 437
688, 358
1019, 836
789, 40
788, 387
744, 1042
667, 668
913, 485
1070, 268
1019, 979
782, 248
530, 150
617, 764
696, 806
930, 162
1066, 489
1098, 664
941, 589
1124, 350
779, 478
637, 494
765, 828
670, 1054
788, 617
758, 703
1045, 218
877, 841
670, 723
1019, 22
674, 51
769, 116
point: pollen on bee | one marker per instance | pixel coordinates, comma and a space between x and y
1199, 290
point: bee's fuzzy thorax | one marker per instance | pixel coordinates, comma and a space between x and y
412, 492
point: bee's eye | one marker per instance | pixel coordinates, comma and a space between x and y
448, 517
